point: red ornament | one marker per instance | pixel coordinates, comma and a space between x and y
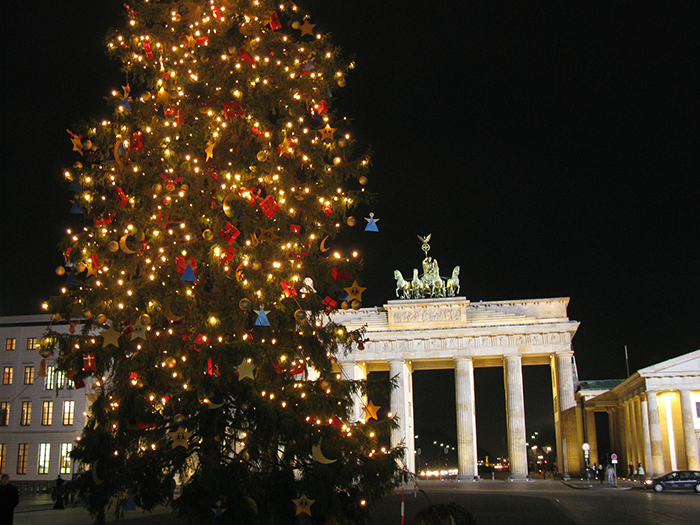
136, 141
66, 255
227, 255
147, 48
288, 289
275, 23
229, 233
269, 206
336, 422
232, 109
295, 229
329, 303
339, 275
79, 384
120, 196
327, 211
102, 220
175, 113
89, 363
202, 40
181, 263
245, 56
213, 369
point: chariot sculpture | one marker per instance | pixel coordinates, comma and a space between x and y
429, 283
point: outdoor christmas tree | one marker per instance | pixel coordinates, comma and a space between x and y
200, 287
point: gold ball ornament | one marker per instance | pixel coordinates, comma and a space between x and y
87, 314
255, 266
337, 160
342, 82
245, 304
170, 362
356, 305
207, 235
178, 419
145, 319
87, 144
157, 188
60, 270
342, 143
262, 155
300, 315
351, 221
101, 319
78, 165
296, 25
80, 267
325, 384
56, 318
46, 352
139, 383
344, 305
185, 188
113, 246
363, 180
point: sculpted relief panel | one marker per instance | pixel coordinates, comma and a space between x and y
426, 315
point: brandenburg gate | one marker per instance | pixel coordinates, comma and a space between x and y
445, 331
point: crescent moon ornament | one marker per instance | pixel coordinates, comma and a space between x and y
123, 246
93, 470
239, 272
322, 246
168, 313
318, 454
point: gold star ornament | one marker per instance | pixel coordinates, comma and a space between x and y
180, 437
307, 28
303, 505
327, 132
209, 150
355, 291
371, 410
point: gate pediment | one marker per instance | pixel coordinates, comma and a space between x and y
427, 313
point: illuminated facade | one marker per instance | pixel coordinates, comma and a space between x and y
454, 333
40, 415
654, 416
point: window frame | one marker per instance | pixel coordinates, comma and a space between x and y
65, 465
44, 458
22, 457
25, 417
47, 415
5, 416
10, 344
29, 375
68, 414
8, 373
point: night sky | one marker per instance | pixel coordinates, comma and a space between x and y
550, 150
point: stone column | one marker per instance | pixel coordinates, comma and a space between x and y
402, 407
691, 443
630, 446
644, 409
466, 419
355, 372
566, 380
591, 435
657, 451
515, 409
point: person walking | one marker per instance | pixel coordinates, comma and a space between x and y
9, 499
641, 474
610, 471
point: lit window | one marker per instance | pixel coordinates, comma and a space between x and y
4, 413
44, 454
65, 467
7, 374
22, 453
26, 416
28, 375
68, 412
60, 379
47, 413
10, 343
32, 343
3, 455
50, 380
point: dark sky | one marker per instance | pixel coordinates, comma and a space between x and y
550, 148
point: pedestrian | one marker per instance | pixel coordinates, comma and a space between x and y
601, 473
632, 471
58, 494
9, 498
610, 471
641, 474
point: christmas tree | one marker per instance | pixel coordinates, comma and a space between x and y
201, 279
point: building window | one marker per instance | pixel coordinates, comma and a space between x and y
65, 467
7, 374
3, 455
50, 380
60, 379
32, 343
28, 375
10, 343
26, 417
44, 454
68, 412
47, 413
4, 413
22, 453
697, 408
